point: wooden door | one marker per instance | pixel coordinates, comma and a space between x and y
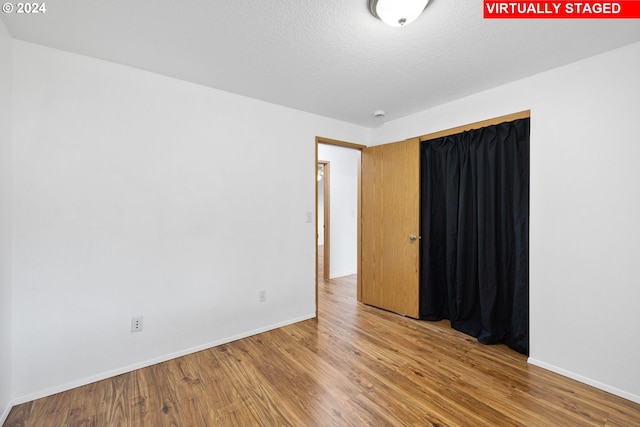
390, 245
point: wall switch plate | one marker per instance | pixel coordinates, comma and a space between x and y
136, 324
262, 295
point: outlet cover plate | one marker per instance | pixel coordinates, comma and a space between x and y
136, 324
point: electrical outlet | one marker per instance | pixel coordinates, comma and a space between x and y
136, 324
262, 295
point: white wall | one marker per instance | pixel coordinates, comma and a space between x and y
138, 194
5, 223
585, 205
343, 205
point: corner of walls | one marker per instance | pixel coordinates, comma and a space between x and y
6, 339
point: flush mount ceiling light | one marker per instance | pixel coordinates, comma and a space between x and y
397, 13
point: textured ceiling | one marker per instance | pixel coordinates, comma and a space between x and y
327, 57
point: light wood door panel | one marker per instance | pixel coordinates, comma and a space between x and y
390, 207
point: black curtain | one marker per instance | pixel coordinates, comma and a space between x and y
475, 233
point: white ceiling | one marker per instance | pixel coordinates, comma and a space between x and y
326, 57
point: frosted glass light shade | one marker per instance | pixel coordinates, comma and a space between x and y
397, 13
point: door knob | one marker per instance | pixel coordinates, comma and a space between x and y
412, 237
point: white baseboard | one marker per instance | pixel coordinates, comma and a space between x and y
99, 377
5, 413
585, 380
342, 274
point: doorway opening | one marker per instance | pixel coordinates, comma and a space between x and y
337, 174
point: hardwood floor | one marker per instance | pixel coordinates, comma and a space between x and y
355, 366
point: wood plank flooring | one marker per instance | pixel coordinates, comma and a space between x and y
355, 366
